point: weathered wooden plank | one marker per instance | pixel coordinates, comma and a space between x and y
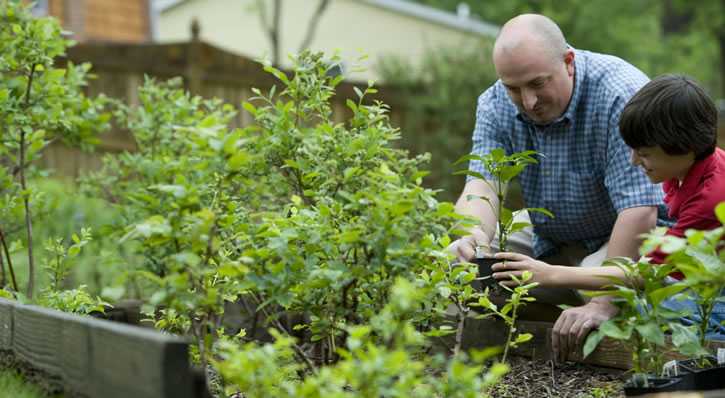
609, 353
36, 337
480, 333
74, 351
129, 361
6, 324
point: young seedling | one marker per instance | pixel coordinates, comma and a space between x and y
700, 258
641, 321
509, 312
502, 169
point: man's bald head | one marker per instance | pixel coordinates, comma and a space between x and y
534, 64
528, 32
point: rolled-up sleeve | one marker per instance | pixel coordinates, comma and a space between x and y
487, 134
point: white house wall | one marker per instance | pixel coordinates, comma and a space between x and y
350, 26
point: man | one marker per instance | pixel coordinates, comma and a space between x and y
565, 104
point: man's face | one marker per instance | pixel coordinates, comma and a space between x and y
539, 85
659, 166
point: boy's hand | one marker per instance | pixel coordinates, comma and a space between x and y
515, 264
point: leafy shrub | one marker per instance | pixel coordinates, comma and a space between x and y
643, 319
379, 360
39, 104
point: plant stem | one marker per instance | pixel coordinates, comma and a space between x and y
502, 233
298, 350
10, 261
512, 329
705, 321
462, 314
2, 272
26, 199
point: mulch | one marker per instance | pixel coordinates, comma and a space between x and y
544, 379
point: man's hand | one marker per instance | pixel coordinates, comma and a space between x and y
515, 264
465, 248
574, 324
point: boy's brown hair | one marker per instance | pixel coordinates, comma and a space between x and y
674, 113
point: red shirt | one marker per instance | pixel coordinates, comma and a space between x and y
693, 202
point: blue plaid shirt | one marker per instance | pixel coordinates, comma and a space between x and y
584, 175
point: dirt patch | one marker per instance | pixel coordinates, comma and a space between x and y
536, 378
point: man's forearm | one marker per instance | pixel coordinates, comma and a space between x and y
479, 208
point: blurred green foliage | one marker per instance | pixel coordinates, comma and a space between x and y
657, 36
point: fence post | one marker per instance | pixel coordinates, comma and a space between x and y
193, 61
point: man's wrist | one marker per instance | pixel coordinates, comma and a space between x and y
480, 237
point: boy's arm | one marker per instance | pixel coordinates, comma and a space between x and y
628, 229
547, 275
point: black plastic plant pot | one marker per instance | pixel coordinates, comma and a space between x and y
657, 385
485, 271
703, 379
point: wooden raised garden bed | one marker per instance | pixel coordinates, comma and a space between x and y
96, 358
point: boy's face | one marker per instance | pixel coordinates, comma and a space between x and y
660, 166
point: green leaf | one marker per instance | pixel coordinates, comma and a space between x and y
249, 107
523, 337
540, 210
651, 332
592, 342
660, 294
720, 212
609, 328
467, 158
238, 161
358, 92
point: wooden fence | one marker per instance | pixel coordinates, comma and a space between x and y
97, 358
206, 70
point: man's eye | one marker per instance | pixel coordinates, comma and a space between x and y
537, 84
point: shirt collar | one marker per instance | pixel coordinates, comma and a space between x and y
579, 73
695, 174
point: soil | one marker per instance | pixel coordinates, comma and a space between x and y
543, 379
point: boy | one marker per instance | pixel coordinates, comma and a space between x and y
671, 126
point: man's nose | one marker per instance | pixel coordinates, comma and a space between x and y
529, 99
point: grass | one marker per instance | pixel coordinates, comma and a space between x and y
14, 385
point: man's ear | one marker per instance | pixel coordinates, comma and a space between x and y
569, 61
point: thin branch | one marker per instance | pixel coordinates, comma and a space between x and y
311, 366
10, 262
3, 280
26, 199
462, 313
271, 28
312, 27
